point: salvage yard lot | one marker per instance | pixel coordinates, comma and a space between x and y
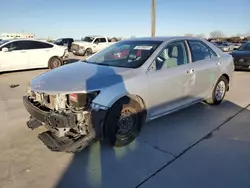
26, 162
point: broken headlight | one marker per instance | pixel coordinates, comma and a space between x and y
82, 100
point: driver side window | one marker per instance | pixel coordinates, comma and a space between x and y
97, 40
173, 55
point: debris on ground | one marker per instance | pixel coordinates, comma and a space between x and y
14, 85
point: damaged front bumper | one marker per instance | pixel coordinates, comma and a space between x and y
71, 142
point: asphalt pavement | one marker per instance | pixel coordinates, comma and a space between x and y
201, 146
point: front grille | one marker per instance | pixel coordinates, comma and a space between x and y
75, 47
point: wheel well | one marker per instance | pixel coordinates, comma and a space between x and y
138, 99
135, 98
141, 102
55, 57
228, 79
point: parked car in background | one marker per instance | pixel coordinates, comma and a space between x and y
218, 43
237, 45
242, 56
19, 54
112, 93
226, 47
65, 42
91, 44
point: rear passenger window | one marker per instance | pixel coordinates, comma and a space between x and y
102, 40
200, 51
39, 45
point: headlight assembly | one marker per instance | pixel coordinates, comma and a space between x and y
98, 107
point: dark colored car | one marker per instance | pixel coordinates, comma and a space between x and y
242, 56
64, 42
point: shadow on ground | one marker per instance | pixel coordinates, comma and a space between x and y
69, 61
169, 136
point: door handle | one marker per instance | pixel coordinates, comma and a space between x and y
191, 71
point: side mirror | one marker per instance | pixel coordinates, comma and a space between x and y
5, 49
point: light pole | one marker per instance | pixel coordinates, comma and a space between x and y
153, 18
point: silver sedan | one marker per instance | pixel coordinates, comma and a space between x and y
115, 91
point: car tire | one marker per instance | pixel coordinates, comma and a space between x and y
88, 52
54, 62
125, 114
219, 91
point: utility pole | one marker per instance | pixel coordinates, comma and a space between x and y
153, 17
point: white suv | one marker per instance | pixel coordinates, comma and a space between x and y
23, 54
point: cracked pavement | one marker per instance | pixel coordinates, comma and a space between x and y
201, 146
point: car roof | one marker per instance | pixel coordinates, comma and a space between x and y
165, 38
95, 36
64, 38
21, 39
24, 39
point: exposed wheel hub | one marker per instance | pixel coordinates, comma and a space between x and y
126, 123
220, 90
55, 63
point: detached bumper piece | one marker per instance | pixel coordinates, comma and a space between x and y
33, 123
51, 118
65, 144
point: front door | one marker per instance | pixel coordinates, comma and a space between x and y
15, 58
169, 79
206, 67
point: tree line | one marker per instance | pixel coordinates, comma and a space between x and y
220, 36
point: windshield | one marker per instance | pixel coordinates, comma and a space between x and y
128, 54
3, 41
58, 40
88, 39
244, 47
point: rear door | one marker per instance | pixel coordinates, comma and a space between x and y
205, 66
16, 58
39, 54
169, 80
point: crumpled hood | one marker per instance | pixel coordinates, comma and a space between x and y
79, 77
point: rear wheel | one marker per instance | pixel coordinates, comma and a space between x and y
54, 62
123, 122
219, 91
